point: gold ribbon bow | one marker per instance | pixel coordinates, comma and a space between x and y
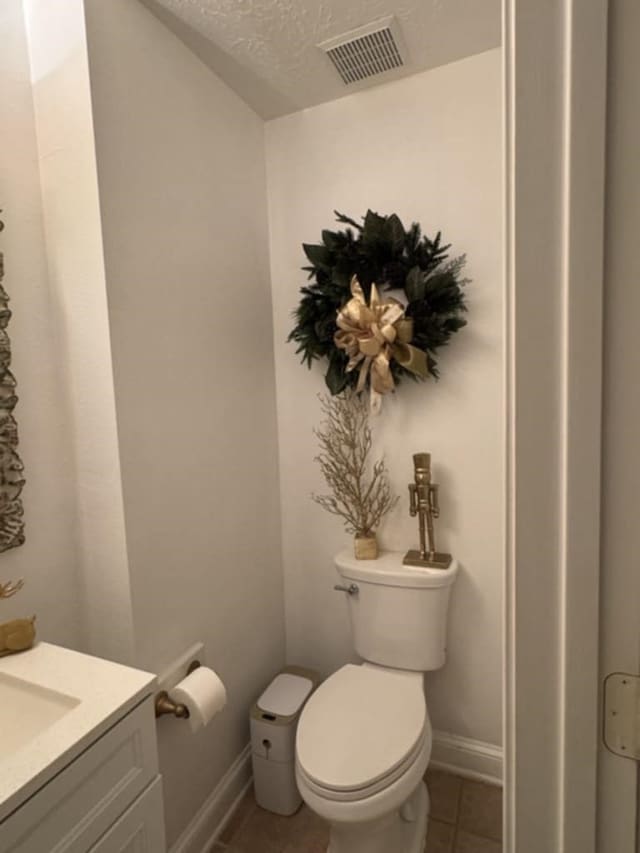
372, 335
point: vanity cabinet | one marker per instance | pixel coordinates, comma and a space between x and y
107, 800
138, 830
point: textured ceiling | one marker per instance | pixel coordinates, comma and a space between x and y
266, 49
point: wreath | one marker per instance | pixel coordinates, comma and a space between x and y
372, 341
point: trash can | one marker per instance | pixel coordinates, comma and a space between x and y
274, 719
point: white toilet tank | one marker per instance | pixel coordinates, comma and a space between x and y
398, 613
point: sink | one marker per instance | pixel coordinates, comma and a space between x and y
54, 703
27, 710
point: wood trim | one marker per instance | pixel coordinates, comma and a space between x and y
618, 783
583, 197
466, 757
555, 72
217, 809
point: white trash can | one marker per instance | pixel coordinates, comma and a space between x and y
274, 719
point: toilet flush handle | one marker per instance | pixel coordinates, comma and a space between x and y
352, 589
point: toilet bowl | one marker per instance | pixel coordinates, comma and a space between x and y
363, 745
364, 737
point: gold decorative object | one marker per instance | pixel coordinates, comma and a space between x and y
424, 503
11, 467
365, 547
17, 636
8, 589
361, 494
373, 334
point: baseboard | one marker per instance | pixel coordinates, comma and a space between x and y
471, 758
218, 808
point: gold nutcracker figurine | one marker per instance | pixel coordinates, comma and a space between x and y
424, 503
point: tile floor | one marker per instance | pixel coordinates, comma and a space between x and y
466, 817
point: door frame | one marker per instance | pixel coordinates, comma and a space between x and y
555, 56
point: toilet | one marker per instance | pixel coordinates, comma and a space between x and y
364, 737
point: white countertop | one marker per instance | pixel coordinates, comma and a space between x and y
100, 692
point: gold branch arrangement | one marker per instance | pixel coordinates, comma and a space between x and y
18, 634
8, 589
360, 490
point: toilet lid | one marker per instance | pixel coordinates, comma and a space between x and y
359, 726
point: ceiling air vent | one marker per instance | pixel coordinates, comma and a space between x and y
367, 51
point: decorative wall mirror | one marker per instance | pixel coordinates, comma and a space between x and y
11, 467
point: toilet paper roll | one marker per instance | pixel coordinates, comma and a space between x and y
204, 695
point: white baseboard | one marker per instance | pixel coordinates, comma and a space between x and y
471, 758
218, 808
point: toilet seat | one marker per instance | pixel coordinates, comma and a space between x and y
348, 796
361, 730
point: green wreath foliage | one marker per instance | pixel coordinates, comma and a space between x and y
379, 251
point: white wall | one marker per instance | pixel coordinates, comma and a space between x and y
428, 148
176, 241
62, 100
182, 190
48, 560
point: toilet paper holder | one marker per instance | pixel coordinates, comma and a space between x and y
164, 704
